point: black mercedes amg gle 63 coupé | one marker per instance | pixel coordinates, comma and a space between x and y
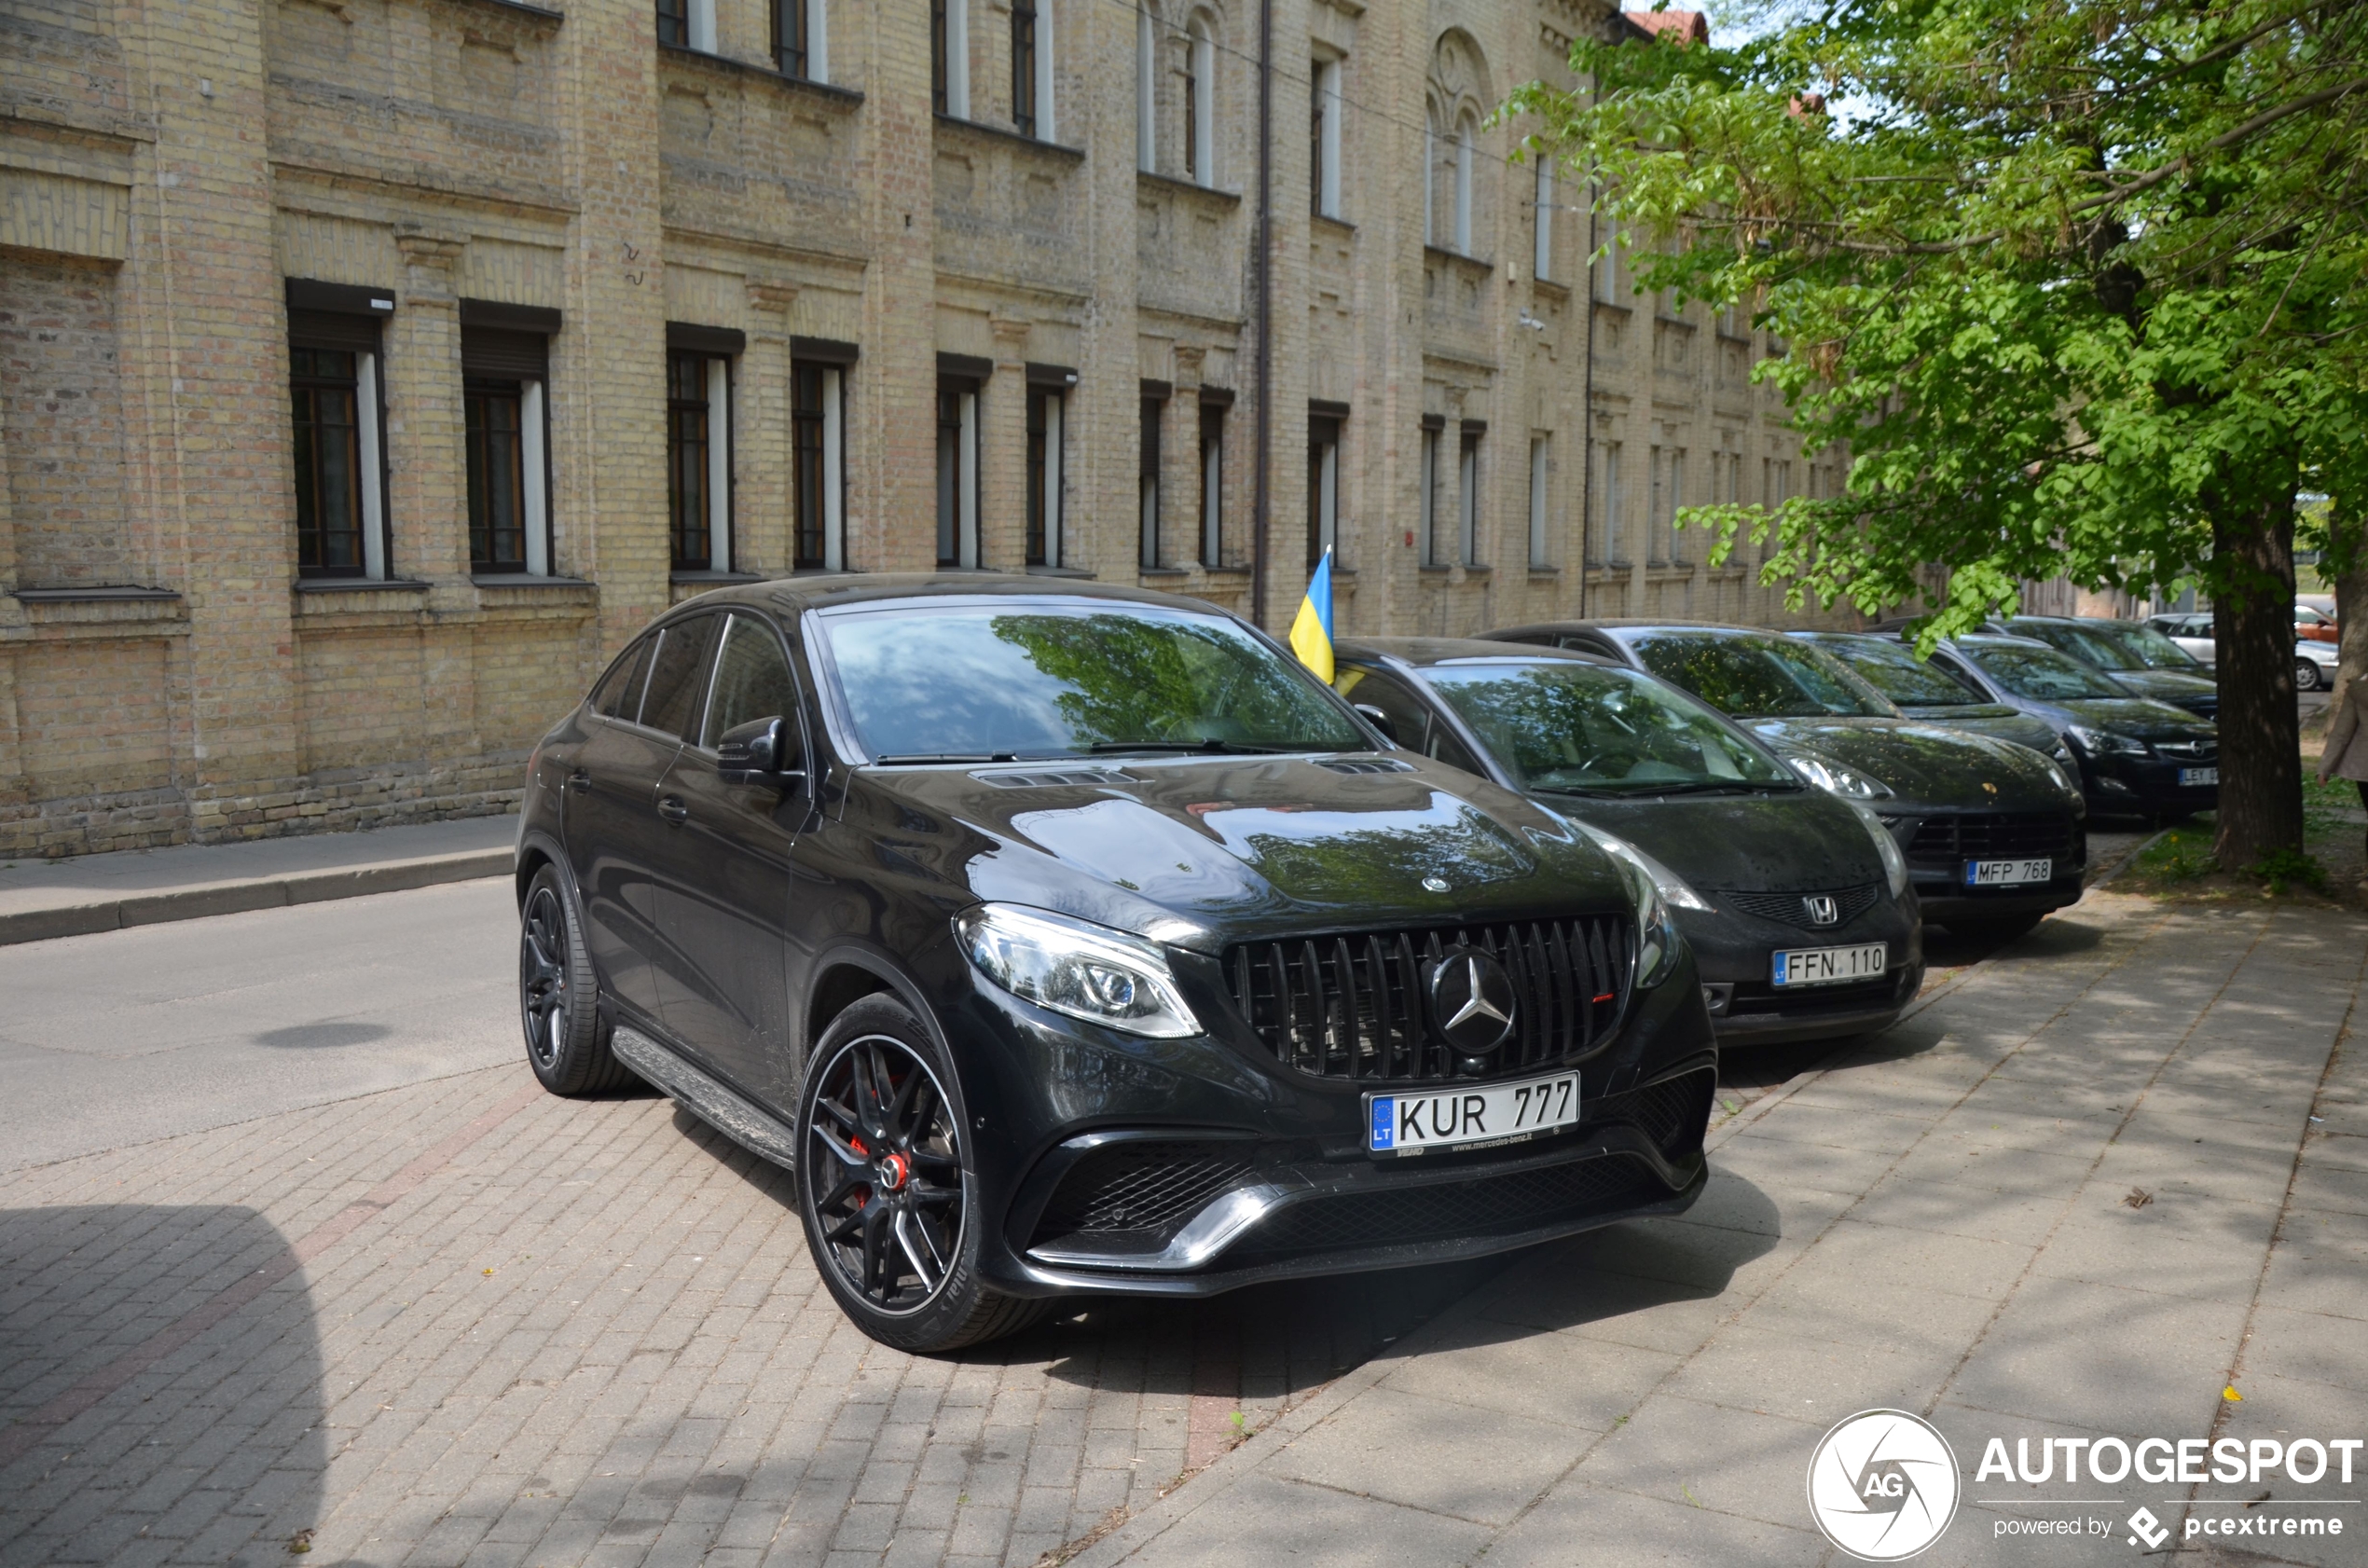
1063, 939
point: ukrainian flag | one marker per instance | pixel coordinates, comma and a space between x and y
1311, 632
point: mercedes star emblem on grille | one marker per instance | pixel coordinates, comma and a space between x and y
1435, 884
1821, 909
1472, 1001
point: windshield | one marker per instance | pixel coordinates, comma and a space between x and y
967, 680
2088, 647
1761, 676
1893, 669
2153, 649
2041, 674
1584, 729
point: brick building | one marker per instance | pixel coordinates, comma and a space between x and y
372, 367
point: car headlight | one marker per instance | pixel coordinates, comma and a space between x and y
1658, 943
2104, 743
1886, 849
2060, 773
1847, 782
1074, 966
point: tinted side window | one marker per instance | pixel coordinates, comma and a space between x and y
752, 682
1370, 689
619, 693
678, 679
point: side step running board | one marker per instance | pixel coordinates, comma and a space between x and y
720, 1105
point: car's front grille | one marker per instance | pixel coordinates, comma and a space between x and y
1993, 834
1353, 1006
1485, 1205
1792, 909
1672, 1113
2187, 751
1149, 1188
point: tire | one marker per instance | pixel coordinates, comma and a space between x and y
2005, 928
566, 1043
2306, 674
887, 1186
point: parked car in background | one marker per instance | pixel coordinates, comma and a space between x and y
1796, 903
1069, 940
2190, 631
2138, 757
1993, 832
2168, 677
1922, 690
2315, 666
2315, 625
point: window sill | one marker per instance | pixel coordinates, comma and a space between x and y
1441, 252
1535, 571
104, 593
520, 8
1191, 187
847, 95
1226, 570
1547, 288
1004, 133
714, 579
1164, 570
360, 586
1060, 571
526, 580
1339, 228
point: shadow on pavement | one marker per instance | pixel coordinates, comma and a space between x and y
159, 1388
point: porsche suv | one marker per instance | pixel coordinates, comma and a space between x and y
1063, 939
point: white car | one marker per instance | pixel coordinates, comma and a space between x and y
2191, 629
2315, 666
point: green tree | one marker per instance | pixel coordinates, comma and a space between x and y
2078, 282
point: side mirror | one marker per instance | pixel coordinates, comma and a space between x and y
753, 752
1380, 721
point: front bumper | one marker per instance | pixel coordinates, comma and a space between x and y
1735, 952
1261, 1172
2127, 786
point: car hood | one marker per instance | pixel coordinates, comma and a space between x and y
2167, 686
1924, 764
1992, 719
2141, 717
1791, 840
1204, 853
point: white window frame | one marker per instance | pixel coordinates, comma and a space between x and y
1146, 115
1540, 450
1430, 175
1468, 497
534, 458
1463, 155
698, 26
719, 463
1042, 72
1614, 506
958, 59
966, 483
1542, 253
1055, 420
818, 40
1428, 472
1327, 88
372, 446
1203, 49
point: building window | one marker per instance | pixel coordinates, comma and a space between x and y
1212, 484
1323, 486
340, 471
1614, 508
1540, 466
1430, 175
1324, 138
1200, 103
1654, 555
1467, 496
507, 429
950, 57
1465, 138
1146, 480
818, 436
1044, 409
1606, 271
1674, 553
687, 24
957, 471
1541, 263
802, 39
698, 459
1032, 68
1428, 478
1147, 117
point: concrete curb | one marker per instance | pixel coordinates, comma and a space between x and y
260, 892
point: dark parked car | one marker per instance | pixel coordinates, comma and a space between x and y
1794, 902
2135, 656
1922, 690
1994, 832
2138, 757
1065, 939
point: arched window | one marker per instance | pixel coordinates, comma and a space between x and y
1147, 118
1467, 136
1430, 175
1457, 92
1200, 103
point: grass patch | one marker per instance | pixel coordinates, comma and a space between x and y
2286, 869
2179, 856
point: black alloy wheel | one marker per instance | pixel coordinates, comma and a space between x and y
885, 1189
565, 1043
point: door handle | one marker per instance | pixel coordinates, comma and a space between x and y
579, 782
673, 810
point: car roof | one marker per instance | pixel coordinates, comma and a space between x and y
1995, 640
793, 596
1425, 652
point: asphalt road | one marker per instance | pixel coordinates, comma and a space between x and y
124, 1037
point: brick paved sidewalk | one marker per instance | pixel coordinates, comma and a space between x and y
2107, 1175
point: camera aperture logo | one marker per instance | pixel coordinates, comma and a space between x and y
1883, 1485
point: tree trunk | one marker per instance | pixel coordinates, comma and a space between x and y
2252, 624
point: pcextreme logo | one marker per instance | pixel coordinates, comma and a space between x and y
1883, 1485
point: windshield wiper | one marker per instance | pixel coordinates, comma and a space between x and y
1721, 786
1210, 745
905, 759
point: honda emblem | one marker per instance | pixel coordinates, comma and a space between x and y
1823, 909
